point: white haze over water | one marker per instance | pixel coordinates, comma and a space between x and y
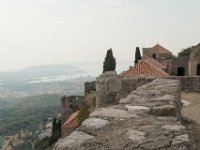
91, 69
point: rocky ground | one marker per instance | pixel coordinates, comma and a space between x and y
148, 119
192, 111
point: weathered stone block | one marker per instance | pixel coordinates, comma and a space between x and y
181, 139
120, 95
115, 85
174, 127
165, 110
129, 84
95, 123
160, 142
75, 139
105, 99
149, 79
111, 113
135, 135
141, 81
102, 87
137, 110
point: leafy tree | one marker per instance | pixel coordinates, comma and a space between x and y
109, 63
137, 55
185, 52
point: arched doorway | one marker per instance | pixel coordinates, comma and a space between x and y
198, 69
181, 71
154, 56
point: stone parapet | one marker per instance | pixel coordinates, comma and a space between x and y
110, 88
149, 118
119, 87
190, 83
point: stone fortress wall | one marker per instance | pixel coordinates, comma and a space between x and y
180, 62
144, 109
110, 88
134, 113
89, 87
188, 83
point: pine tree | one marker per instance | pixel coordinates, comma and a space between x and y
137, 55
109, 63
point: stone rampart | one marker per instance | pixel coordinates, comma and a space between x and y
110, 88
149, 118
190, 83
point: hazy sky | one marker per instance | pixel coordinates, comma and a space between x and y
34, 32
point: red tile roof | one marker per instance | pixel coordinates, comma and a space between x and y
146, 67
154, 62
72, 121
161, 49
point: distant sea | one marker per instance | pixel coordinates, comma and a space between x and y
80, 70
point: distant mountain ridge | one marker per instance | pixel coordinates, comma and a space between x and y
79, 69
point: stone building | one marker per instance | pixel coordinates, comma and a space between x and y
188, 65
194, 62
174, 66
180, 66
161, 54
157, 52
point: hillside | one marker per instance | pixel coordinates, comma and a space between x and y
27, 113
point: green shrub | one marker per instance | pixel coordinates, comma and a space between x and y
185, 52
83, 114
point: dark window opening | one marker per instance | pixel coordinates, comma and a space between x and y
198, 70
181, 71
154, 56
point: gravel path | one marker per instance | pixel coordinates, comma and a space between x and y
193, 112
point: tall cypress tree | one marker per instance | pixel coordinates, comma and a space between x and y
137, 55
109, 63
